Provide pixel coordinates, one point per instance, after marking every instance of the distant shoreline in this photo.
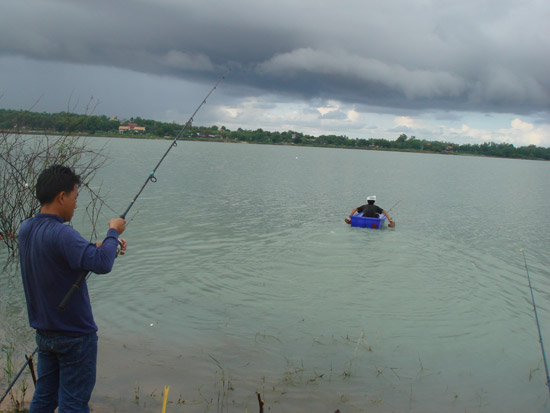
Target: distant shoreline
(229, 140)
(73, 124)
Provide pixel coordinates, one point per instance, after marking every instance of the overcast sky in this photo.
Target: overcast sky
(458, 71)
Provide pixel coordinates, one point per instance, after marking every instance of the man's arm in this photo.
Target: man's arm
(348, 220)
(102, 258)
(388, 216)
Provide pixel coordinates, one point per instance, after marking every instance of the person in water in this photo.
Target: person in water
(53, 256)
(371, 211)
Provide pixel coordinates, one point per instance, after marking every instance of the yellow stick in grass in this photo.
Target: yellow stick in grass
(166, 390)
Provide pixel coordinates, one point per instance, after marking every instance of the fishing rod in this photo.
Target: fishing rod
(150, 178)
(537, 320)
(29, 360)
(394, 205)
(392, 223)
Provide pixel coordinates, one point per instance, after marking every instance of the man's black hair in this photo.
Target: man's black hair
(53, 180)
(370, 201)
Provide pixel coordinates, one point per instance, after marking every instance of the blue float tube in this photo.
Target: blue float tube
(366, 222)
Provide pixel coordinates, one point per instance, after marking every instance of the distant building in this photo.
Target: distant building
(131, 127)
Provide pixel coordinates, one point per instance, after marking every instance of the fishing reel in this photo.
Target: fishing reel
(119, 247)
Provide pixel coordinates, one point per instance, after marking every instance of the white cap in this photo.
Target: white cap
(371, 198)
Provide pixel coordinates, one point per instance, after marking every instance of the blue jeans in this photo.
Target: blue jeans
(66, 373)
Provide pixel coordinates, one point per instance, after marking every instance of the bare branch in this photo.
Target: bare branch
(23, 157)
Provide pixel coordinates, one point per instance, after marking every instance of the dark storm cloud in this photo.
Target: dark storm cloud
(489, 56)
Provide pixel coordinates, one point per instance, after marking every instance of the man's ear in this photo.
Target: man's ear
(60, 197)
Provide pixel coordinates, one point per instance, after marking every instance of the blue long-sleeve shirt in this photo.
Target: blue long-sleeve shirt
(52, 257)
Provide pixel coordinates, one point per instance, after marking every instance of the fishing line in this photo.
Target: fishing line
(537, 320)
(150, 178)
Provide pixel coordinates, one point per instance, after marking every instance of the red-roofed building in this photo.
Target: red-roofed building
(131, 127)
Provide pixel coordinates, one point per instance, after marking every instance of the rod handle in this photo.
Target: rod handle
(72, 291)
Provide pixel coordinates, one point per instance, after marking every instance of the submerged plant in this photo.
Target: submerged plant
(136, 393)
(224, 386)
(347, 372)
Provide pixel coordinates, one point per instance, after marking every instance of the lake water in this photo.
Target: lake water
(242, 277)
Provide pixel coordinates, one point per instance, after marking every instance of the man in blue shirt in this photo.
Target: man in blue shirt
(53, 255)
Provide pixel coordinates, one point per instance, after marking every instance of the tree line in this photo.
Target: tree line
(65, 122)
